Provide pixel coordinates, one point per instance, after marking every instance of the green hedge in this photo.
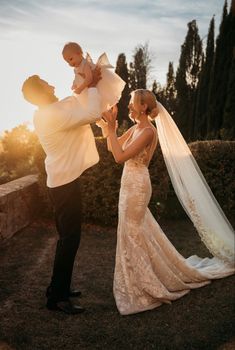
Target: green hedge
(100, 184)
(216, 160)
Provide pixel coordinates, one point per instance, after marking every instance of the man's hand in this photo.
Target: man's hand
(96, 76)
(78, 91)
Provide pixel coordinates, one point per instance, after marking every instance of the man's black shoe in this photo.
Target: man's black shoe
(72, 293)
(75, 293)
(64, 306)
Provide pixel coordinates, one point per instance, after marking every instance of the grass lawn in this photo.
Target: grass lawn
(203, 319)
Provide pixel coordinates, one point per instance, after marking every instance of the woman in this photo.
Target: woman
(149, 271)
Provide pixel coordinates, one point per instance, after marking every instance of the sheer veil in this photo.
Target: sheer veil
(193, 191)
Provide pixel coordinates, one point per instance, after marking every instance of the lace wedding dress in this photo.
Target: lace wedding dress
(149, 270)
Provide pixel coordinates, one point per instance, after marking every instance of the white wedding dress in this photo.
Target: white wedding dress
(149, 270)
(110, 87)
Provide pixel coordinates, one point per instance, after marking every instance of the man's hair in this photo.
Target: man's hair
(75, 47)
(31, 88)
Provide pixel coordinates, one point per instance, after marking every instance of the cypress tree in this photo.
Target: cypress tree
(228, 127)
(132, 77)
(220, 76)
(170, 91)
(187, 79)
(200, 124)
(140, 67)
(159, 92)
(122, 71)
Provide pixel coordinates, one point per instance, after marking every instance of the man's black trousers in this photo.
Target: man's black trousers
(66, 200)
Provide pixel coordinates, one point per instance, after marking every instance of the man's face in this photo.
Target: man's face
(73, 58)
(48, 89)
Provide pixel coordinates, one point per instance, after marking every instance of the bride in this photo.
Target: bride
(149, 271)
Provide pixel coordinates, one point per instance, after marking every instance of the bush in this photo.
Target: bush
(100, 186)
(216, 160)
(101, 183)
(17, 153)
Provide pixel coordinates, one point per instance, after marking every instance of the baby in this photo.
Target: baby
(110, 86)
(73, 55)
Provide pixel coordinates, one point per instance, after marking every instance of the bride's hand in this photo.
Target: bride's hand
(110, 114)
(110, 117)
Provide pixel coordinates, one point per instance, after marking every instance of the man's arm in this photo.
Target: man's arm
(80, 115)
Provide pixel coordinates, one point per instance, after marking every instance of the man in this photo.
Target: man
(65, 134)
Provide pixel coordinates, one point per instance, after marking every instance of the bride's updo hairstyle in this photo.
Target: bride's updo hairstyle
(143, 96)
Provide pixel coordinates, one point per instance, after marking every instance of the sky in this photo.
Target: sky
(32, 35)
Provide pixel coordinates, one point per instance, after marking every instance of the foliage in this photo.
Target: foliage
(187, 77)
(17, 156)
(23, 155)
(220, 74)
(216, 160)
(140, 67)
(200, 117)
(101, 183)
(201, 97)
(228, 128)
(122, 71)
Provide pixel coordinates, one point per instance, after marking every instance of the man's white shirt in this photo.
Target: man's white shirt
(65, 134)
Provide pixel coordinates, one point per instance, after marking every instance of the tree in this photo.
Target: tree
(19, 146)
(187, 77)
(140, 67)
(200, 118)
(159, 92)
(228, 126)
(122, 71)
(220, 75)
(170, 90)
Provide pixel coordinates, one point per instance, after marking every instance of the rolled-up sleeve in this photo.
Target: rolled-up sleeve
(80, 115)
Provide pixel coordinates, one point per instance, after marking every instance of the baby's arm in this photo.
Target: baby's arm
(87, 79)
(74, 86)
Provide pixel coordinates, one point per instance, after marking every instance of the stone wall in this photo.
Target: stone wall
(18, 204)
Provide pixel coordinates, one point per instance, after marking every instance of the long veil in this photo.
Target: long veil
(193, 191)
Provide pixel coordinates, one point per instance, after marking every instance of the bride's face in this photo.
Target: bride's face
(134, 108)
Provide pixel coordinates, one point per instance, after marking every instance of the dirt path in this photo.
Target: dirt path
(204, 319)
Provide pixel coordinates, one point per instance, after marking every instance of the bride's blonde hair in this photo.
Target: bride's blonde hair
(147, 97)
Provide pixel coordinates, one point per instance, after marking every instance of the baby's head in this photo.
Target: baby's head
(72, 53)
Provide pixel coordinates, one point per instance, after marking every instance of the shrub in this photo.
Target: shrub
(100, 184)
(216, 160)
(17, 153)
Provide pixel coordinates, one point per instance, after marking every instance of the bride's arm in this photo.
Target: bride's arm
(120, 139)
(115, 144)
(120, 155)
(105, 132)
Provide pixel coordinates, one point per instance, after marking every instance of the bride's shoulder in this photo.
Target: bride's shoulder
(130, 130)
(148, 133)
(149, 130)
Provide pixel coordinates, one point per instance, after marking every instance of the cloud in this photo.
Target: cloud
(33, 34)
